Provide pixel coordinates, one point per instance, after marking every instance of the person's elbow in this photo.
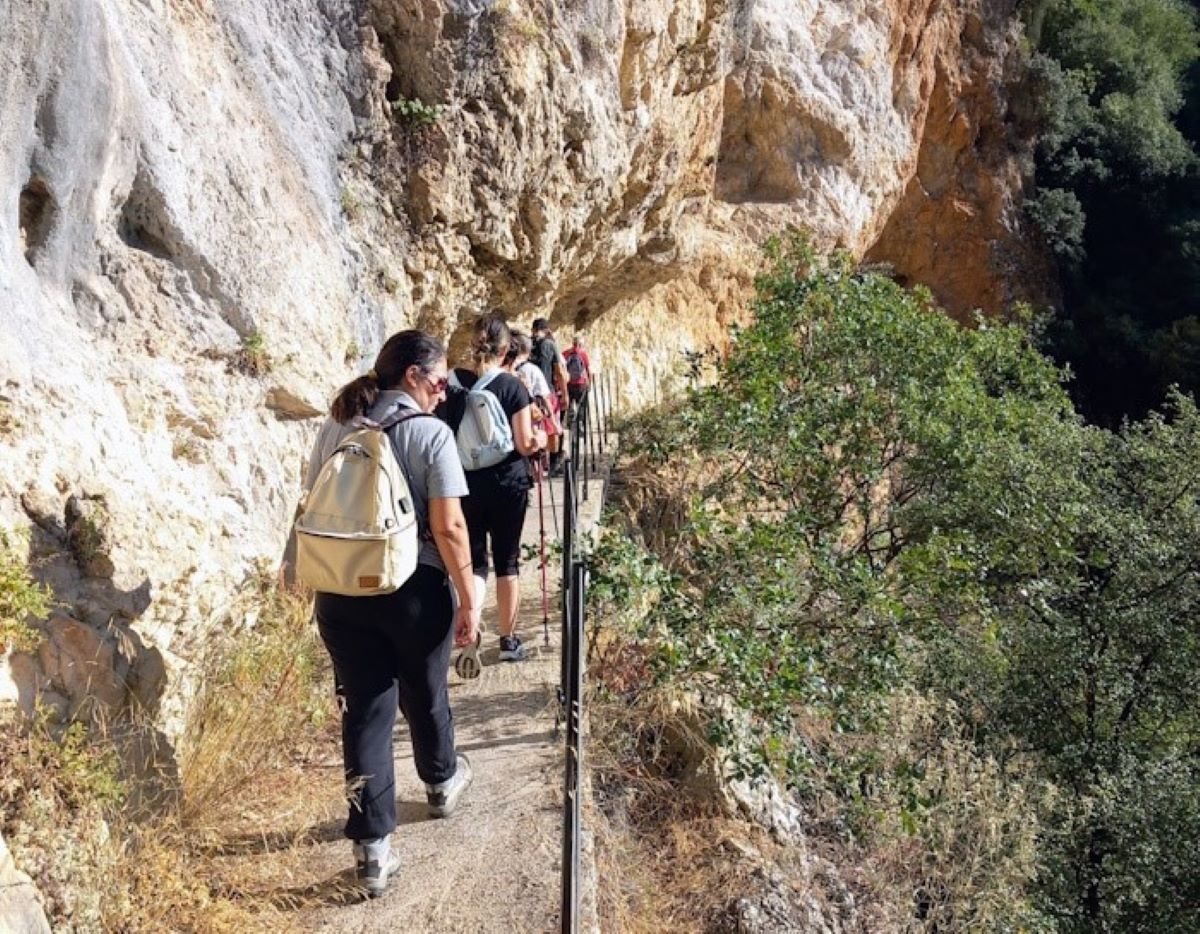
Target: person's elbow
(446, 520)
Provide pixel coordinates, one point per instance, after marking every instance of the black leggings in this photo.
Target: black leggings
(387, 649)
(498, 511)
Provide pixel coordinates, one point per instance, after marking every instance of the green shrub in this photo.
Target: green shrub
(21, 599)
(873, 502)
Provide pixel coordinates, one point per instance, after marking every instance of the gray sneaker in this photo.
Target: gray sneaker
(511, 649)
(443, 797)
(375, 862)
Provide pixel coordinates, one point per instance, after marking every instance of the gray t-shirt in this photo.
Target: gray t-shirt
(427, 453)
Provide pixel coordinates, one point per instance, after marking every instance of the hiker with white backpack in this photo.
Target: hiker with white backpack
(491, 414)
(380, 536)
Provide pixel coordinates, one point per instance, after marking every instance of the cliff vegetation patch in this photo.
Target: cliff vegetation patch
(118, 836)
(889, 566)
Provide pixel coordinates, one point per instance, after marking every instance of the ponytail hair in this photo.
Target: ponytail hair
(402, 350)
(520, 344)
(491, 341)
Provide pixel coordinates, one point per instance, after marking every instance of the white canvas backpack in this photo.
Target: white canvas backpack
(484, 436)
(357, 533)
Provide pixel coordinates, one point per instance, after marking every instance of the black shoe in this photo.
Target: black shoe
(511, 649)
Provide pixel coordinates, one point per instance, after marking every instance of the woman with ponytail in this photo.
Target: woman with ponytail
(393, 650)
(499, 494)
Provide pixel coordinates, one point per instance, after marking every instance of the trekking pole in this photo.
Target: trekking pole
(550, 487)
(542, 548)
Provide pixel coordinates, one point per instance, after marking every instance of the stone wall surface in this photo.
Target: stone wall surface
(20, 907)
(212, 212)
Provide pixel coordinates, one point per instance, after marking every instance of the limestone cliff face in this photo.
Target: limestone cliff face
(212, 212)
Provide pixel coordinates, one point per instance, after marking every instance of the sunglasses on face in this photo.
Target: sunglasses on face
(437, 385)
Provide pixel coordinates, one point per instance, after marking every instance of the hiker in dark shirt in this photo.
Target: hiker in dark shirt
(499, 495)
(546, 356)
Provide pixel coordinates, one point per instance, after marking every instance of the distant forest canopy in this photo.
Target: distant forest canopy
(1113, 93)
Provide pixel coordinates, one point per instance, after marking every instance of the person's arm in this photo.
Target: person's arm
(528, 438)
(561, 380)
(449, 529)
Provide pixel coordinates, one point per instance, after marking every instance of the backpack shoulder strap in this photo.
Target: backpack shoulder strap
(484, 381)
(402, 414)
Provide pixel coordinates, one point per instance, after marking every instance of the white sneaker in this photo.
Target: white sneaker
(375, 862)
(443, 797)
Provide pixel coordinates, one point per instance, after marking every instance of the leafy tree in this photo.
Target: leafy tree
(887, 502)
(1110, 95)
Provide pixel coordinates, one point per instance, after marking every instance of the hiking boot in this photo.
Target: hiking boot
(443, 797)
(511, 649)
(374, 864)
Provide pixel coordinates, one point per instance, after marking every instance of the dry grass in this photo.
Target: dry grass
(117, 839)
(667, 859)
(660, 867)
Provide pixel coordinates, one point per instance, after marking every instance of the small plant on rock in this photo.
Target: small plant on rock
(253, 358)
(416, 112)
(351, 204)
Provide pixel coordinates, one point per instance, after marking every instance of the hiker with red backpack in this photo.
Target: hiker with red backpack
(579, 374)
(390, 647)
(491, 413)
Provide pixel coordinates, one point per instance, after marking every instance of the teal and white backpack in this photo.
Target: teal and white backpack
(484, 435)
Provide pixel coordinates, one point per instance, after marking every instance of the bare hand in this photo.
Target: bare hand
(466, 626)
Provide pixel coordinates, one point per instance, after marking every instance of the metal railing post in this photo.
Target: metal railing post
(572, 803)
(601, 436)
(604, 406)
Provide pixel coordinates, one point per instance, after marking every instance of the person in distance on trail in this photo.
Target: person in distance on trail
(546, 357)
(499, 495)
(579, 375)
(394, 649)
(518, 363)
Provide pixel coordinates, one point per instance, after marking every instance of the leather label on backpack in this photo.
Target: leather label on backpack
(369, 583)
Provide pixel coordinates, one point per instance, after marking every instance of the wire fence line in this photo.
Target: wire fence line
(588, 421)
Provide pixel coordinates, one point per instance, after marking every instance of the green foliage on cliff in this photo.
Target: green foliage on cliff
(1111, 95)
(874, 503)
(21, 599)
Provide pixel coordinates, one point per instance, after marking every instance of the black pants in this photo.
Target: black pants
(577, 394)
(389, 649)
(497, 511)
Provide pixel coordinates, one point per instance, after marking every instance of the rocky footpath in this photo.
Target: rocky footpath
(215, 211)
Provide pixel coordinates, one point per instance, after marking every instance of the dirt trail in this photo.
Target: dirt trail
(495, 864)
